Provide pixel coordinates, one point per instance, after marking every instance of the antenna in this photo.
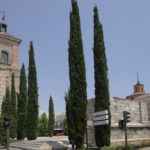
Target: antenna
(138, 80)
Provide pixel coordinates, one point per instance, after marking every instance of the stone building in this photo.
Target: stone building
(138, 104)
(9, 59)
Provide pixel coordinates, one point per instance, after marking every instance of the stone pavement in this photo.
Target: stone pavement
(145, 148)
(3, 148)
(58, 143)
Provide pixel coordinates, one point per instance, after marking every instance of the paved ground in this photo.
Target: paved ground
(58, 143)
(2, 148)
(146, 148)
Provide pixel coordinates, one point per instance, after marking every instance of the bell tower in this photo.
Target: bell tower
(138, 90)
(9, 59)
(138, 87)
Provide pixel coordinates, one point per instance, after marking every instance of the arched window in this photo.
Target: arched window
(4, 57)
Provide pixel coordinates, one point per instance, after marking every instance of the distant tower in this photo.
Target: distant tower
(138, 90)
(9, 59)
(138, 87)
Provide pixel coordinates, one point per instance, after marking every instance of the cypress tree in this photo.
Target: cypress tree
(2, 131)
(43, 123)
(5, 113)
(102, 133)
(22, 105)
(6, 104)
(77, 94)
(51, 120)
(13, 129)
(65, 127)
(32, 107)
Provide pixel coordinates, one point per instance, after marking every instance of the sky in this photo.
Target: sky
(126, 27)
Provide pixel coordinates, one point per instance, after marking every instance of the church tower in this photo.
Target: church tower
(9, 59)
(138, 90)
(138, 87)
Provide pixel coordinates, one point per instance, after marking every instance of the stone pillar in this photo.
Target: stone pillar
(15, 57)
(140, 112)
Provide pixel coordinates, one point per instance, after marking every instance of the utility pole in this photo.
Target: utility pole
(7, 138)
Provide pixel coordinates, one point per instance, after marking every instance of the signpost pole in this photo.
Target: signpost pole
(87, 146)
(7, 138)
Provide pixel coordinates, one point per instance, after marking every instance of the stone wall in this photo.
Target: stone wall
(134, 132)
(118, 106)
(117, 134)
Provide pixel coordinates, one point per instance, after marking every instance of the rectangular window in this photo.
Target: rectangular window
(4, 57)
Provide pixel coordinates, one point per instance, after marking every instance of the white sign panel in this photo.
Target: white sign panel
(100, 113)
(101, 118)
(104, 122)
(90, 123)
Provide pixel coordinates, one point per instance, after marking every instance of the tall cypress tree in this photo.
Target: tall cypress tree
(51, 120)
(32, 107)
(77, 94)
(22, 105)
(13, 129)
(5, 113)
(102, 133)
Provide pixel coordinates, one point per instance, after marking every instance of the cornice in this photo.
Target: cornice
(9, 38)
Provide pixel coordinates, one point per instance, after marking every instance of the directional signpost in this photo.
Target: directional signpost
(101, 118)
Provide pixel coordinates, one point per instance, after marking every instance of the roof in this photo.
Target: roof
(143, 97)
(119, 98)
